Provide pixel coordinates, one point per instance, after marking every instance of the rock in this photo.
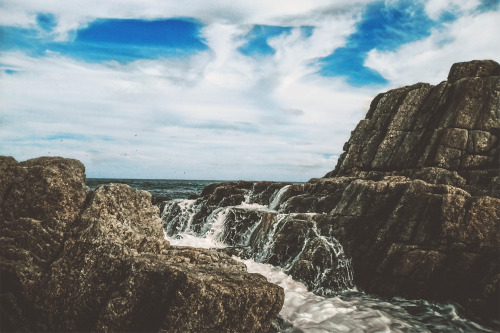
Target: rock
(99, 262)
(414, 199)
(41, 199)
(421, 236)
(450, 126)
(427, 227)
(475, 68)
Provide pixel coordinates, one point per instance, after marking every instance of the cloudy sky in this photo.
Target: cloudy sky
(247, 89)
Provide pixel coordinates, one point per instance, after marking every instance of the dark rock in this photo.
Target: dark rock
(451, 126)
(475, 68)
(414, 198)
(72, 263)
(428, 225)
(41, 199)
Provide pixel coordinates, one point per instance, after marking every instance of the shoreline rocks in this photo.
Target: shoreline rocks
(414, 199)
(413, 203)
(77, 261)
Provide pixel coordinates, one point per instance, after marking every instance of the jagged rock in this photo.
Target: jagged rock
(72, 263)
(41, 198)
(302, 244)
(414, 198)
(428, 225)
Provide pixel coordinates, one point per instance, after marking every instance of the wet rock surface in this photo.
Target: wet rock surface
(414, 199)
(78, 261)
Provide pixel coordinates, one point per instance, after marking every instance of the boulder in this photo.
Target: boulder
(474, 68)
(78, 261)
(41, 199)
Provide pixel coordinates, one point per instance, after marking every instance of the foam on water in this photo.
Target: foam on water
(354, 311)
(276, 200)
(188, 239)
(350, 311)
(313, 313)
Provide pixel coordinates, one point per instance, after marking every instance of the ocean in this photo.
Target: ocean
(349, 311)
(161, 189)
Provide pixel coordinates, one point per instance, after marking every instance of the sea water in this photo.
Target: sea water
(303, 311)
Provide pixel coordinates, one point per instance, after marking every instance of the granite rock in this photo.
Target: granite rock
(78, 261)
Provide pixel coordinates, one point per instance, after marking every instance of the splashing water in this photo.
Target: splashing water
(276, 200)
(304, 311)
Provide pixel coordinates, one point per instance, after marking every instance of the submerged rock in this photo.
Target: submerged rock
(414, 200)
(72, 261)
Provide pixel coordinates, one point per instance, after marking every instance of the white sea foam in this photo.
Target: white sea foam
(188, 239)
(276, 200)
(352, 311)
(254, 206)
(312, 313)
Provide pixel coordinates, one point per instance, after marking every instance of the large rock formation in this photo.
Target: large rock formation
(422, 217)
(77, 261)
(414, 200)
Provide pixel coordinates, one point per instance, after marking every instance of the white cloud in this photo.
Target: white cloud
(78, 13)
(429, 60)
(218, 113)
(435, 8)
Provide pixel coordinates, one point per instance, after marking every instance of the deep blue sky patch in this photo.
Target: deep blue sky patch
(110, 39)
(489, 5)
(382, 27)
(172, 32)
(127, 40)
(46, 22)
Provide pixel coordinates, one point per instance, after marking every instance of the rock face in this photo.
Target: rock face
(414, 200)
(425, 191)
(77, 261)
(447, 134)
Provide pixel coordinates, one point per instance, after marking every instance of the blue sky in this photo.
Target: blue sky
(217, 89)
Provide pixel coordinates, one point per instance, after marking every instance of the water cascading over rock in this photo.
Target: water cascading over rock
(299, 243)
(414, 199)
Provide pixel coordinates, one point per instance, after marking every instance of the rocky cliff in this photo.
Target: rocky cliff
(412, 208)
(72, 260)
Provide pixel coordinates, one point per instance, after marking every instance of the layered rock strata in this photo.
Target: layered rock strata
(414, 199)
(77, 261)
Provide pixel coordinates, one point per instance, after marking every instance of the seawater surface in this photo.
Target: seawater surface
(303, 311)
(161, 189)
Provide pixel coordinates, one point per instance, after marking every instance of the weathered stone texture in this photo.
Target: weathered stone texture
(414, 198)
(452, 126)
(475, 68)
(76, 262)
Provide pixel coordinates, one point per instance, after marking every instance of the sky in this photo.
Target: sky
(247, 89)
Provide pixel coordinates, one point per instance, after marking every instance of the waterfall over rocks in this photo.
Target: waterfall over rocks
(255, 229)
(413, 204)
